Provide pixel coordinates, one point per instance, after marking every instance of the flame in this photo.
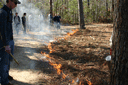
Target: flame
(57, 66)
(50, 48)
(64, 76)
(73, 81)
(74, 31)
(88, 82)
(80, 83)
(68, 34)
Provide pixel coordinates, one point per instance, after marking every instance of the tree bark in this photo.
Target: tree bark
(119, 71)
(106, 9)
(112, 5)
(51, 7)
(88, 3)
(81, 14)
(88, 7)
(96, 11)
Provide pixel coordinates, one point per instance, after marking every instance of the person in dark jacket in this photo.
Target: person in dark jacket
(24, 22)
(6, 36)
(56, 20)
(17, 22)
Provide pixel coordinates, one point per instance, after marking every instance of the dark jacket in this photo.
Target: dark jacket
(57, 18)
(6, 33)
(23, 20)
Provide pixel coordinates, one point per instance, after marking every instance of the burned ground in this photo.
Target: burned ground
(75, 59)
(82, 56)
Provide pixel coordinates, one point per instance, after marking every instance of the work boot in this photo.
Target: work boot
(10, 77)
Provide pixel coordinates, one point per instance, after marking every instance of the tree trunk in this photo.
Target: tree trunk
(112, 5)
(88, 3)
(51, 7)
(81, 14)
(106, 9)
(112, 9)
(62, 9)
(67, 4)
(88, 7)
(96, 11)
(119, 73)
(57, 7)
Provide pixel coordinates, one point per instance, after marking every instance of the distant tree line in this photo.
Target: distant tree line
(94, 10)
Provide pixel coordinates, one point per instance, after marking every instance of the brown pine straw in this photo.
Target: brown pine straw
(58, 66)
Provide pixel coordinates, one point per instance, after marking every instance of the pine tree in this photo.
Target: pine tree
(119, 73)
(81, 14)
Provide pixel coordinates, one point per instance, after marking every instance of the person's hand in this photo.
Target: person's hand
(8, 49)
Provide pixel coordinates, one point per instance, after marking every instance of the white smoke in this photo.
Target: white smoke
(37, 22)
(35, 18)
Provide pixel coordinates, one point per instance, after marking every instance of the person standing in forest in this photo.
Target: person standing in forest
(17, 22)
(57, 19)
(24, 22)
(6, 40)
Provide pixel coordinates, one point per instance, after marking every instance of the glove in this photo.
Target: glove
(8, 49)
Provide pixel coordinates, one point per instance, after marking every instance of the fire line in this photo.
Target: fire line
(58, 66)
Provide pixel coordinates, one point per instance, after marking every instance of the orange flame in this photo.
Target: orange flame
(74, 31)
(80, 83)
(88, 82)
(64, 76)
(73, 81)
(57, 66)
(50, 48)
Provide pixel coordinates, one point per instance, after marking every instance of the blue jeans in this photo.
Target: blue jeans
(4, 64)
(57, 25)
(17, 28)
(24, 25)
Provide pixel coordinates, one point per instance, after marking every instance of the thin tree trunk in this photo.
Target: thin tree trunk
(67, 4)
(88, 3)
(75, 17)
(112, 5)
(81, 14)
(119, 73)
(96, 16)
(77, 14)
(106, 9)
(51, 7)
(88, 7)
(62, 8)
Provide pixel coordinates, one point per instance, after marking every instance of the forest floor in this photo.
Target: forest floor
(75, 59)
